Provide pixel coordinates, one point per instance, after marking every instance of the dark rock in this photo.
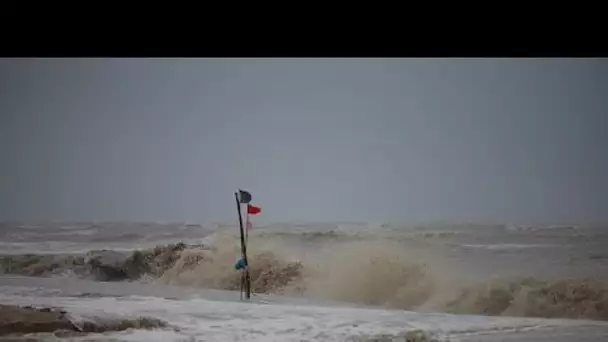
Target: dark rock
(14, 319)
(18, 320)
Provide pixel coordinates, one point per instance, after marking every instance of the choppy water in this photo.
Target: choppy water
(462, 282)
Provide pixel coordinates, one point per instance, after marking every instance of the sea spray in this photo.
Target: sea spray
(383, 273)
(374, 271)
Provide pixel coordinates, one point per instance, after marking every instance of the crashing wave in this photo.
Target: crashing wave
(102, 265)
(377, 272)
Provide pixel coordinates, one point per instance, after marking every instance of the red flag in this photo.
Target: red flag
(253, 210)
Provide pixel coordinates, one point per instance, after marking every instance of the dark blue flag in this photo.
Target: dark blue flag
(244, 196)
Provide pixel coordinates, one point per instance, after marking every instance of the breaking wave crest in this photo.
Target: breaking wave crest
(571, 298)
(379, 272)
(213, 268)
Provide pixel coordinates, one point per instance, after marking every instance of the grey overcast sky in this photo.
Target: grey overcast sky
(406, 140)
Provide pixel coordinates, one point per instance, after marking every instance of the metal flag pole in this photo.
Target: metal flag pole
(243, 249)
(242, 283)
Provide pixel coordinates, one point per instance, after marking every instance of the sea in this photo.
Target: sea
(316, 281)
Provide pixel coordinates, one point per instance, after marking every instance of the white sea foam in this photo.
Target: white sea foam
(201, 319)
(507, 246)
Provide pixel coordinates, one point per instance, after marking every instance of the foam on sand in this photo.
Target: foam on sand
(202, 319)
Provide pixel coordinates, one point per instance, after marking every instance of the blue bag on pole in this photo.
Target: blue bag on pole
(239, 264)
